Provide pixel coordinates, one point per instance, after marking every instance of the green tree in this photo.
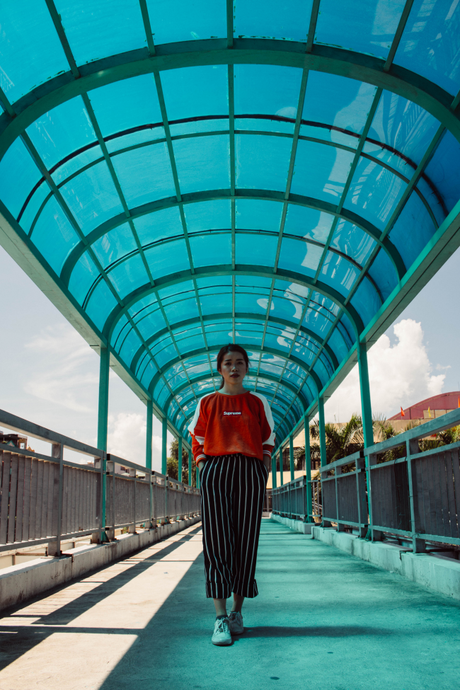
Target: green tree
(172, 463)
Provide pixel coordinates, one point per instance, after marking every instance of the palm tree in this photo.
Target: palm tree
(341, 441)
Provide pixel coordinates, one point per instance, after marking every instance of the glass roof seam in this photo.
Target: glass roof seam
(427, 94)
(321, 350)
(312, 27)
(200, 314)
(145, 144)
(295, 141)
(267, 314)
(7, 107)
(62, 38)
(54, 189)
(171, 334)
(152, 357)
(172, 160)
(413, 182)
(351, 172)
(288, 276)
(147, 26)
(320, 343)
(116, 182)
(398, 35)
(163, 204)
(265, 376)
(304, 311)
(229, 20)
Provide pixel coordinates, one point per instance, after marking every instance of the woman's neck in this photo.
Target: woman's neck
(226, 390)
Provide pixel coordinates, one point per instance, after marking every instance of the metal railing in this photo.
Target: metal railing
(45, 499)
(390, 488)
(290, 500)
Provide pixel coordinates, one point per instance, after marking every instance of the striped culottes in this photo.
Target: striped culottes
(232, 496)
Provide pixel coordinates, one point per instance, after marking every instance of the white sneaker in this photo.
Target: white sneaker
(235, 622)
(221, 635)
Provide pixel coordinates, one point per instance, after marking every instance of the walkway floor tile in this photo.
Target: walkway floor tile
(323, 621)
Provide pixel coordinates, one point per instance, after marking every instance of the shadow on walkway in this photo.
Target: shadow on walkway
(323, 620)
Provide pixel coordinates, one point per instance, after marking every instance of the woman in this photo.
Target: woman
(232, 438)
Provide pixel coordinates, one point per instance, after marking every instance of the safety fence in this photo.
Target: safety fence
(45, 499)
(391, 489)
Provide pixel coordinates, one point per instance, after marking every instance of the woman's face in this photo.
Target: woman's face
(233, 369)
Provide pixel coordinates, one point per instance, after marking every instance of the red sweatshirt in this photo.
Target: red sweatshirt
(230, 424)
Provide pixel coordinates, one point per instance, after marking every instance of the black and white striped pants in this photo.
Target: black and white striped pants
(232, 496)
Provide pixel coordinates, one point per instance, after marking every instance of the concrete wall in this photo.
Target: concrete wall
(20, 583)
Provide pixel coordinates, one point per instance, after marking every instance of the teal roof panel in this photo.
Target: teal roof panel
(97, 30)
(430, 43)
(196, 173)
(371, 28)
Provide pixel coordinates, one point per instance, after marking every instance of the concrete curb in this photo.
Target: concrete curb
(295, 525)
(22, 582)
(437, 574)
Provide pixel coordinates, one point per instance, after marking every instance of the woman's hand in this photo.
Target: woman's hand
(200, 465)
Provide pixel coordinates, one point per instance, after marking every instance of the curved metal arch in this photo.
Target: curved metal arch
(288, 276)
(257, 317)
(248, 346)
(219, 194)
(264, 376)
(219, 132)
(371, 70)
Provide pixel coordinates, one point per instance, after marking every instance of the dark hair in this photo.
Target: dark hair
(231, 347)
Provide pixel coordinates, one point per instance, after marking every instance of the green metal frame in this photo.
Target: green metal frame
(230, 51)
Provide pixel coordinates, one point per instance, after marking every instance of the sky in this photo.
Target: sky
(49, 375)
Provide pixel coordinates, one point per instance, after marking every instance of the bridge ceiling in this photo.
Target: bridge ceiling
(193, 173)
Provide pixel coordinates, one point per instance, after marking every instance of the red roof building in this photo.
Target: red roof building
(430, 408)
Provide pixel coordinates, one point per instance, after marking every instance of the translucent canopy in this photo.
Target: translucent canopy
(182, 175)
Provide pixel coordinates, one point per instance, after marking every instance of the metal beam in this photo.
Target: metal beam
(371, 70)
(248, 346)
(255, 194)
(250, 270)
(321, 344)
(264, 376)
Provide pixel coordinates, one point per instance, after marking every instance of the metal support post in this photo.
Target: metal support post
(291, 457)
(418, 545)
(274, 471)
(54, 548)
(190, 467)
(281, 466)
(102, 431)
(148, 458)
(366, 412)
(366, 407)
(179, 458)
(164, 446)
(308, 489)
(322, 432)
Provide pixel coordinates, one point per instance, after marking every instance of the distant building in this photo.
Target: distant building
(423, 411)
(14, 440)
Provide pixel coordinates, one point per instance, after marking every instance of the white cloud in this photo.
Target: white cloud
(62, 373)
(400, 376)
(127, 438)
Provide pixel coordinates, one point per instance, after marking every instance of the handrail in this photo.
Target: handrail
(414, 497)
(46, 498)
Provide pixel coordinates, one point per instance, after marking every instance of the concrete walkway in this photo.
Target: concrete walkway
(324, 620)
